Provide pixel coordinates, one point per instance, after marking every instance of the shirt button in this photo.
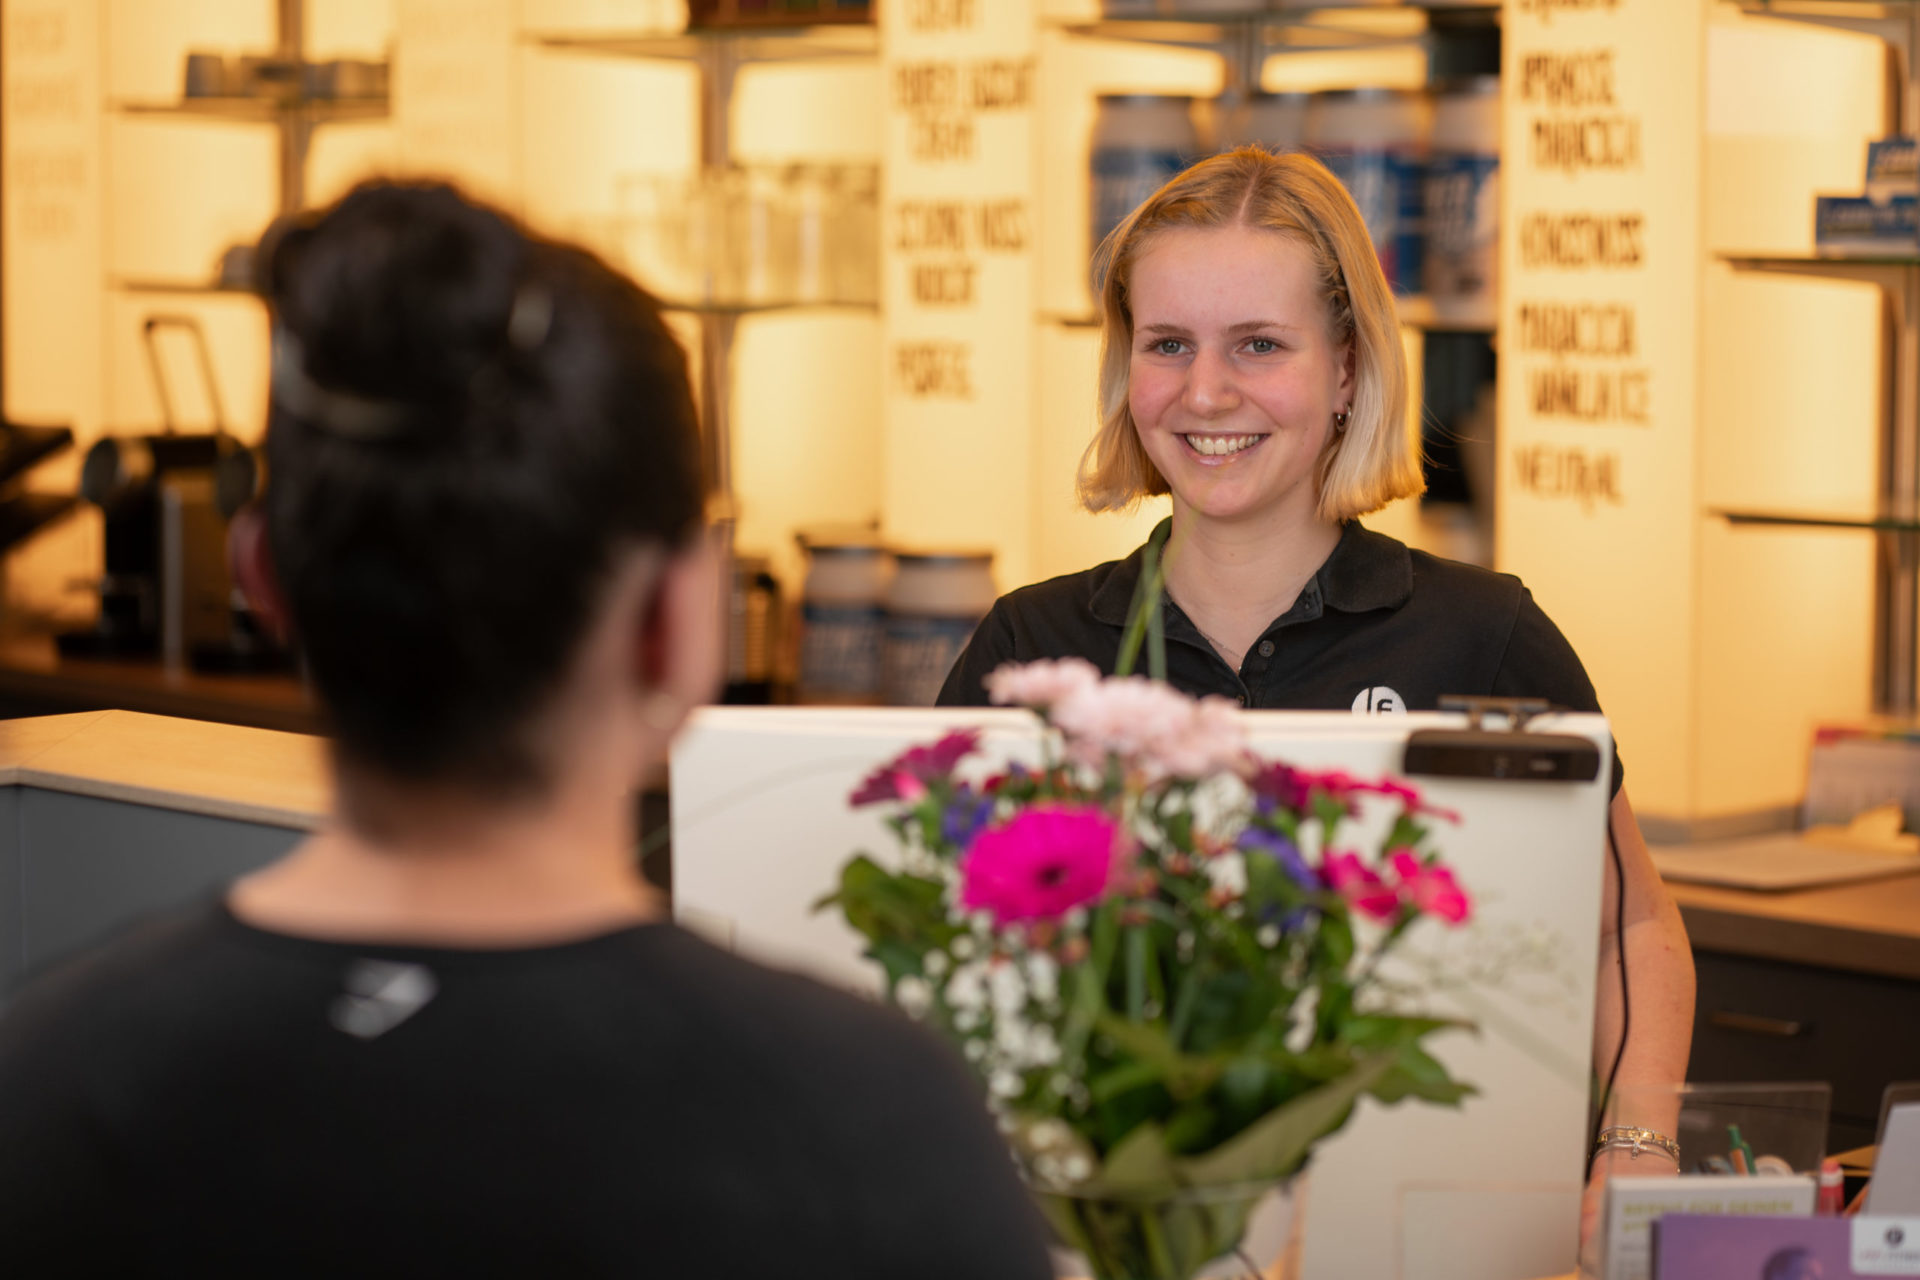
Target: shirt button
(1266, 648)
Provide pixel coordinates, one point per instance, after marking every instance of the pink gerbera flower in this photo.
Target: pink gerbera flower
(1048, 860)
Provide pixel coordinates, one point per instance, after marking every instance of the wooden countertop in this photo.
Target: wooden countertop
(262, 775)
(1869, 927)
(32, 669)
(222, 770)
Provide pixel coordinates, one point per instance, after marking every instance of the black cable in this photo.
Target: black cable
(1626, 1006)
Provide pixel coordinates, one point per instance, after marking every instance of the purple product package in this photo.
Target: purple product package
(1709, 1247)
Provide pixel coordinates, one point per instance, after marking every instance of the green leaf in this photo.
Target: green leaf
(1418, 1074)
(883, 906)
(1190, 1125)
(1278, 1143)
(1183, 1074)
(1387, 1031)
(1140, 1165)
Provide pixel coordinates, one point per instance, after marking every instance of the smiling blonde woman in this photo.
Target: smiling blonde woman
(1251, 370)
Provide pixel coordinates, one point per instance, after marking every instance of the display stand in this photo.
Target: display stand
(720, 55)
(293, 115)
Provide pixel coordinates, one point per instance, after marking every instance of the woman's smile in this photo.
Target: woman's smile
(1222, 448)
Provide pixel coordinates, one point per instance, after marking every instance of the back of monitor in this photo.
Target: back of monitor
(761, 827)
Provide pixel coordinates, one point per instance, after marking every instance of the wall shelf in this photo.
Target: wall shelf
(1808, 520)
(763, 44)
(262, 110)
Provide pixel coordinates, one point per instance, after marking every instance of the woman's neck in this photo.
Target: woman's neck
(460, 872)
(1233, 579)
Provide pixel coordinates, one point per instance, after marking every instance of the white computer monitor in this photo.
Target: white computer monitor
(1489, 1191)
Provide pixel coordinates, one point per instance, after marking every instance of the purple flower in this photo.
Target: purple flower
(965, 815)
(1283, 851)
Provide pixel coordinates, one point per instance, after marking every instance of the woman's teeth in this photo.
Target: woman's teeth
(1218, 446)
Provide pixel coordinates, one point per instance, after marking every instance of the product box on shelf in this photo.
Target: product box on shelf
(1893, 168)
(1857, 227)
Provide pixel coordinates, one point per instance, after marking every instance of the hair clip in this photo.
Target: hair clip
(530, 317)
(340, 413)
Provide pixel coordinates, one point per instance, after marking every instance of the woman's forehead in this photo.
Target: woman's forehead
(1198, 273)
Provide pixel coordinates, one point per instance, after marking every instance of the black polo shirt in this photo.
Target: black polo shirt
(1380, 628)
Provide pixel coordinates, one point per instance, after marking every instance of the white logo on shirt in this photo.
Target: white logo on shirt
(381, 995)
(1379, 701)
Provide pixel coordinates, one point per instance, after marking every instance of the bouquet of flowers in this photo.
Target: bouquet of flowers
(1159, 953)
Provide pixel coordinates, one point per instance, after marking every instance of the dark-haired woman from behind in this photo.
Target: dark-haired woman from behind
(451, 1034)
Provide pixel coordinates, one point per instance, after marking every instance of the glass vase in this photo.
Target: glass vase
(1244, 1232)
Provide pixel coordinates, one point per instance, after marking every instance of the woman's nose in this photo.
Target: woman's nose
(1211, 389)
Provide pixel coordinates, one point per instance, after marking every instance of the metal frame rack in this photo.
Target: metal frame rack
(1896, 523)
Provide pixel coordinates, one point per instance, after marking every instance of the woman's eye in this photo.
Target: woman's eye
(1167, 347)
(1262, 346)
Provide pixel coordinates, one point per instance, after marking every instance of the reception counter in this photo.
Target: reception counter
(105, 815)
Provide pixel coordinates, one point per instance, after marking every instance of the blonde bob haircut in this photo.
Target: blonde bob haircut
(1377, 458)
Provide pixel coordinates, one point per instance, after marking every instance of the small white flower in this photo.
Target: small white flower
(962, 947)
(1076, 1167)
(966, 1020)
(1227, 872)
(1009, 990)
(1043, 1049)
(1043, 977)
(1004, 1084)
(967, 988)
(913, 995)
(1267, 935)
(1047, 1133)
(975, 1050)
(935, 964)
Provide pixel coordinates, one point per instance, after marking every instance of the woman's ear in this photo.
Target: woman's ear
(250, 565)
(682, 639)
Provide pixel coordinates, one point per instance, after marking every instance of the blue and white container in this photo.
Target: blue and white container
(842, 619)
(1139, 141)
(1376, 142)
(936, 600)
(1463, 201)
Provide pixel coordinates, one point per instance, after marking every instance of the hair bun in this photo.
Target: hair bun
(400, 294)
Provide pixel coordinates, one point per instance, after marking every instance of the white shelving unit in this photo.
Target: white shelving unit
(1896, 524)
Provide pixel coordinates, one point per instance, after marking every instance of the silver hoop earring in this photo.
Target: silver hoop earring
(1340, 420)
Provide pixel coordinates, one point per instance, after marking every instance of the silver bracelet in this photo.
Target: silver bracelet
(1627, 1138)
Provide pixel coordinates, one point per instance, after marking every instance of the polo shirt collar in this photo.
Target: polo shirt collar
(1366, 570)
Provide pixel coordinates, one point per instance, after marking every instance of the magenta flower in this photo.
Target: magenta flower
(906, 776)
(1048, 860)
(1360, 885)
(1431, 889)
